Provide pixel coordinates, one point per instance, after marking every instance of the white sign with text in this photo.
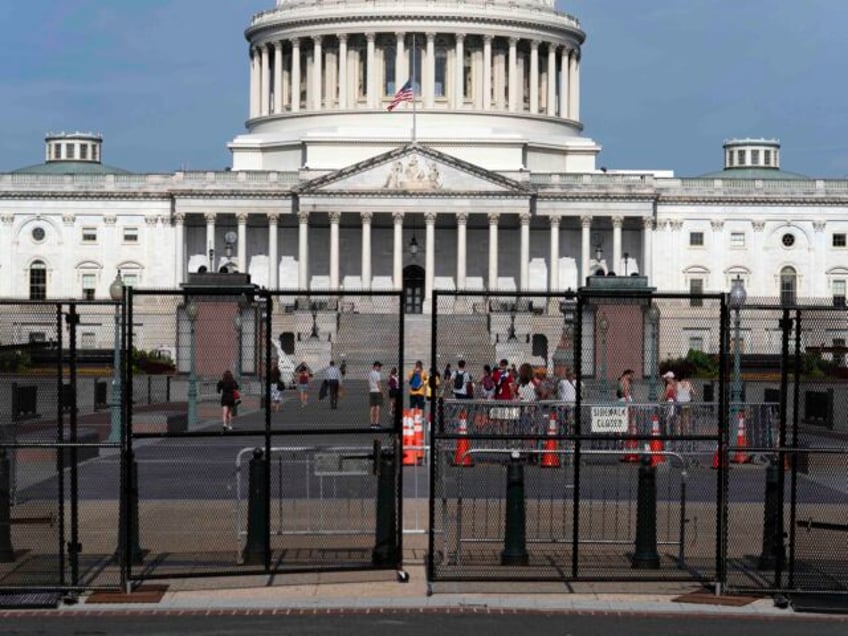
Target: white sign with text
(609, 419)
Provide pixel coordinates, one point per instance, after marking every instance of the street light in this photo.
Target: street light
(116, 293)
(603, 327)
(191, 311)
(653, 323)
(738, 295)
(238, 321)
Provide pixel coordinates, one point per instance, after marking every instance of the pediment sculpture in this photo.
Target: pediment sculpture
(410, 174)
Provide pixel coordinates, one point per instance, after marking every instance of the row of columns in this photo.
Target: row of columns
(276, 79)
(429, 248)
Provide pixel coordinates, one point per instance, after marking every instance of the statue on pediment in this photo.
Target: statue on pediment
(412, 175)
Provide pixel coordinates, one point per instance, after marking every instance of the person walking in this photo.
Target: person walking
(333, 377)
(394, 391)
(276, 386)
(417, 382)
(303, 376)
(624, 389)
(487, 383)
(228, 388)
(375, 394)
(461, 383)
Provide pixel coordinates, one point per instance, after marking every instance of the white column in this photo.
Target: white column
(575, 86)
(499, 81)
(303, 250)
(254, 83)
(617, 222)
(551, 106)
(342, 71)
(572, 86)
(459, 72)
(366, 249)
(461, 249)
(487, 72)
(400, 75)
(278, 77)
(179, 244)
(317, 73)
(430, 68)
(585, 248)
(266, 84)
(512, 87)
(335, 217)
(371, 70)
(430, 254)
(397, 251)
(493, 251)
(295, 76)
(241, 245)
(524, 271)
(647, 248)
(273, 257)
(210, 237)
(565, 66)
(554, 264)
(534, 77)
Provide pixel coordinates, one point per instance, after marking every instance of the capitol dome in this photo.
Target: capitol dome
(495, 82)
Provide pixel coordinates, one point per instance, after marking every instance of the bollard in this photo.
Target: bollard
(772, 541)
(646, 556)
(131, 500)
(386, 552)
(257, 519)
(515, 532)
(7, 553)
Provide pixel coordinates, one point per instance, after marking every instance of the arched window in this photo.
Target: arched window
(38, 281)
(788, 285)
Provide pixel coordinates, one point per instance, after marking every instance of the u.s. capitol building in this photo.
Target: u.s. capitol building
(488, 171)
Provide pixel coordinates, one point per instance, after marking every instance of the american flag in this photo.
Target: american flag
(405, 94)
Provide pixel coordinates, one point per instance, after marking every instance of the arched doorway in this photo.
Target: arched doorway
(413, 287)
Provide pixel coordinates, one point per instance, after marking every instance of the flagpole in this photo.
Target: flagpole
(414, 96)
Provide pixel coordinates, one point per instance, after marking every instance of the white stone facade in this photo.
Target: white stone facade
(498, 187)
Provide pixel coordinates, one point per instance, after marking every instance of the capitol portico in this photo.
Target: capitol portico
(486, 182)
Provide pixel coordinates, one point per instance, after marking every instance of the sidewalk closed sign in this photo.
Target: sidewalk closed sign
(609, 419)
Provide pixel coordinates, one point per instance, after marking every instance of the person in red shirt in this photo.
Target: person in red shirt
(504, 382)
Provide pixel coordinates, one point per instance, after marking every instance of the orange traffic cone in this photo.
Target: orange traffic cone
(461, 456)
(631, 444)
(550, 458)
(418, 432)
(656, 443)
(718, 461)
(740, 456)
(408, 439)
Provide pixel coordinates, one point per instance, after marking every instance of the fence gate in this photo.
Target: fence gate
(301, 481)
(586, 476)
(58, 468)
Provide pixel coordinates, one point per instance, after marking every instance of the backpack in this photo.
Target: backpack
(459, 382)
(488, 383)
(415, 381)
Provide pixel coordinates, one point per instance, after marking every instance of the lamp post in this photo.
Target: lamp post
(603, 327)
(653, 323)
(738, 295)
(116, 293)
(237, 323)
(191, 311)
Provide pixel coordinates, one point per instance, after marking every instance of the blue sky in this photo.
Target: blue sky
(664, 82)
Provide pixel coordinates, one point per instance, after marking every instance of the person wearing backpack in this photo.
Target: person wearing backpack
(417, 380)
(487, 383)
(463, 388)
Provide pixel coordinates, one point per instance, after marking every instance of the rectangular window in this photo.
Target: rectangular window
(696, 287)
(730, 159)
(130, 280)
(89, 283)
(737, 239)
(441, 73)
(57, 151)
(755, 157)
(89, 235)
(740, 157)
(130, 235)
(696, 343)
(37, 336)
(838, 240)
(839, 353)
(88, 340)
(94, 152)
(696, 239)
(766, 157)
(69, 151)
(83, 151)
(839, 293)
(38, 283)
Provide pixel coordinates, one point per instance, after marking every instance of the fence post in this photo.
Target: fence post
(128, 514)
(385, 541)
(772, 541)
(515, 531)
(646, 556)
(257, 518)
(7, 553)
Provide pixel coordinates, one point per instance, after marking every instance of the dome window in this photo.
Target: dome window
(38, 234)
(788, 240)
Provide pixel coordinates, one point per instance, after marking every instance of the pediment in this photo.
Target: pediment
(413, 169)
